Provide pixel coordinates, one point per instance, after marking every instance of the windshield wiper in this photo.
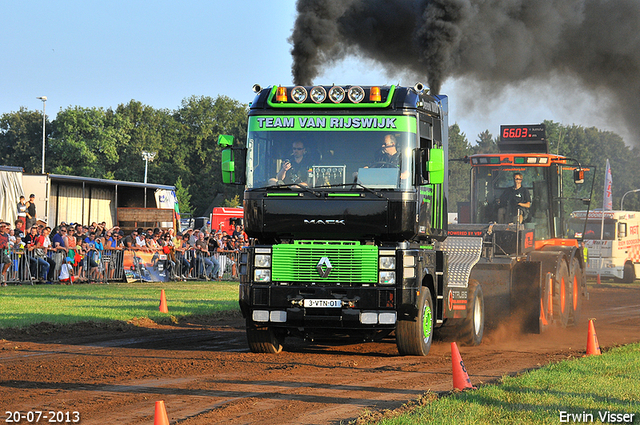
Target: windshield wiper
(379, 195)
(295, 185)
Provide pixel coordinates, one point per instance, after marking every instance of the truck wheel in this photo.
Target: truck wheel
(576, 277)
(629, 274)
(562, 290)
(472, 327)
(413, 337)
(263, 339)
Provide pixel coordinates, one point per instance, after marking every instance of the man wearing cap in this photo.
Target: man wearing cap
(31, 211)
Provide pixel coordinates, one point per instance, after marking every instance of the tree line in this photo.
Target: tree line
(107, 143)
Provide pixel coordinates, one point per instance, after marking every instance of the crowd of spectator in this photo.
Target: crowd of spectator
(87, 251)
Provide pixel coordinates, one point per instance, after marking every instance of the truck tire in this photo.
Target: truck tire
(472, 327)
(629, 274)
(263, 339)
(576, 277)
(562, 289)
(414, 337)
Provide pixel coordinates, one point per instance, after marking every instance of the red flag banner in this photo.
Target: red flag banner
(607, 200)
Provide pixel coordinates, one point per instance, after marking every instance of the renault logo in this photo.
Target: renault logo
(324, 272)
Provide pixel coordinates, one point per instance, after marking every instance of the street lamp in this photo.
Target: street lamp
(147, 156)
(44, 116)
(622, 200)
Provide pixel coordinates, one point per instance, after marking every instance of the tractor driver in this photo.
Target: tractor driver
(514, 202)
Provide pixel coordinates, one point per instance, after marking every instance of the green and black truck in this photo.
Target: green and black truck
(345, 203)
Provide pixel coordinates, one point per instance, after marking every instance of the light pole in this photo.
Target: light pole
(44, 117)
(147, 156)
(622, 200)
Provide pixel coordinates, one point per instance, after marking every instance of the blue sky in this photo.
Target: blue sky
(102, 54)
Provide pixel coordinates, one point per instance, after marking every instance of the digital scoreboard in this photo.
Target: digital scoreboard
(511, 133)
(523, 138)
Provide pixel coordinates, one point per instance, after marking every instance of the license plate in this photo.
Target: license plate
(323, 303)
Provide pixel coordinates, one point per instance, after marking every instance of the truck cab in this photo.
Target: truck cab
(345, 199)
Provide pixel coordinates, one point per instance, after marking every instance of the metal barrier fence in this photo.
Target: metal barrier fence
(108, 265)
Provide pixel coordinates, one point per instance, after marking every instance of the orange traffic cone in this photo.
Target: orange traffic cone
(593, 347)
(163, 303)
(160, 417)
(598, 279)
(461, 379)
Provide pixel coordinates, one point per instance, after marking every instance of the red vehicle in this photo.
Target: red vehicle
(226, 218)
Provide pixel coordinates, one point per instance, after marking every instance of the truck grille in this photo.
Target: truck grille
(350, 262)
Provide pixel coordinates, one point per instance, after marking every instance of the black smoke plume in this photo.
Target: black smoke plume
(497, 43)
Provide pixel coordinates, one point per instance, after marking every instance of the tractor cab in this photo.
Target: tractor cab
(524, 187)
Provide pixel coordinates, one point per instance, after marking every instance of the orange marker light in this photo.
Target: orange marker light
(281, 94)
(374, 95)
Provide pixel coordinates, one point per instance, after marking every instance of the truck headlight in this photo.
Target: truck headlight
(262, 260)
(262, 275)
(387, 263)
(387, 278)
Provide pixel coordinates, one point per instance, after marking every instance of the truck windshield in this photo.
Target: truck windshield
(594, 229)
(311, 151)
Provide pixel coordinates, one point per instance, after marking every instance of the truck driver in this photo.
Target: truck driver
(295, 169)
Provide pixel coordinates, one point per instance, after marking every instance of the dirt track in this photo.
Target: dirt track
(205, 374)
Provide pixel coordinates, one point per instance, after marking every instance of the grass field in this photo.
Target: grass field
(594, 387)
(22, 306)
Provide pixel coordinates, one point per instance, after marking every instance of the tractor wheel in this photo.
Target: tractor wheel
(263, 339)
(562, 290)
(472, 327)
(576, 277)
(413, 337)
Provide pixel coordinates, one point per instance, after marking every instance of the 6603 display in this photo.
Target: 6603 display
(522, 132)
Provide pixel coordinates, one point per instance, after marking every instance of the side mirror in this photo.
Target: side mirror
(435, 166)
(225, 140)
(622, 230)
(578, 176)
(232, 172)
(228, 166)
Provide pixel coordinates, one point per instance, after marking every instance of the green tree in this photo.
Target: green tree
(202, 119)
(146, 129)
(485, 143)
(184, 197)
(592, 147)
(85, 142)
(232, 203)
(459, 171)
(21, 140)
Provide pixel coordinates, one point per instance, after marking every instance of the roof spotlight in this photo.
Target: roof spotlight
(299, 94)
(356, 94)
(336, 94)
(318, 94)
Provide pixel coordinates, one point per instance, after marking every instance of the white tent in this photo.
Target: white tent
(10, 192)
